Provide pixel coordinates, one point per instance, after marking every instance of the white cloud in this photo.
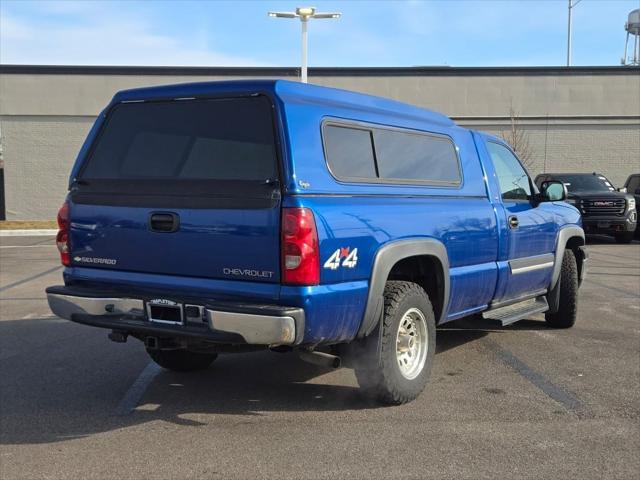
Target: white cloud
(99, 36)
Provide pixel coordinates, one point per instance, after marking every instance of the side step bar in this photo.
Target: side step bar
(518, 311)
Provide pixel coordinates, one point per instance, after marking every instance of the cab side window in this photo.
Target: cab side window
(512, 177)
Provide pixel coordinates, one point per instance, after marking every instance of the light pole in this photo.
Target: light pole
(572, 3)
(304, 14)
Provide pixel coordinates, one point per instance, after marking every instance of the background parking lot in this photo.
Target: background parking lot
(520, 401)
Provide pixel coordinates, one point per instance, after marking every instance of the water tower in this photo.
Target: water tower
(633, 28)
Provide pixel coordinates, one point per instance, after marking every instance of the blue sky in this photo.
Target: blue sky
(370, 33)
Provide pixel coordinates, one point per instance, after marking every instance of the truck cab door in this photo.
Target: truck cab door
(527, 229)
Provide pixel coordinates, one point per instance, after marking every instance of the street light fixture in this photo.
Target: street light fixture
(304, 14)
(572, 3)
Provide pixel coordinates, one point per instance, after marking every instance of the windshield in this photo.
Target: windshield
(228, 139)
(585, 183)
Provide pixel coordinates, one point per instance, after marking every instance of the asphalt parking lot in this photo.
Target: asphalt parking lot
(514, 402)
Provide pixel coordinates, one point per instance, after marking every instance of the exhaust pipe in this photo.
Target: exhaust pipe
(320, 358)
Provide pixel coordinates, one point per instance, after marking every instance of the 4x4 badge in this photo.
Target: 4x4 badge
(336, 259)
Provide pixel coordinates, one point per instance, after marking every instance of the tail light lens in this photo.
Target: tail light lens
(300, 251)
(62, 238)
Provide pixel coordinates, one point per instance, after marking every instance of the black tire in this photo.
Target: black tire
(377, 366)
(626, 237)
(182, 360)
(567, 312)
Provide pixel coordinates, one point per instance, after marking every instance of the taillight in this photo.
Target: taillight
(300, 251)
(62, 238)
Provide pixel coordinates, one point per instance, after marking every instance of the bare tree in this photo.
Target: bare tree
(518, 138)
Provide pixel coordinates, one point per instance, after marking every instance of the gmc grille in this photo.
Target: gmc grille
(604, 206)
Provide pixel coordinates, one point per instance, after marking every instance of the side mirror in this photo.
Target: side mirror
(553, 191)
(637, 192)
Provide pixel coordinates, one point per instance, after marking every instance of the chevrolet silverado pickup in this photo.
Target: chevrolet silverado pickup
(211, 218)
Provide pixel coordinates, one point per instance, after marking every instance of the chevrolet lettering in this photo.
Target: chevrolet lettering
(245, 272)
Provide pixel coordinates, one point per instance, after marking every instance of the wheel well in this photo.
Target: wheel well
(427, 272)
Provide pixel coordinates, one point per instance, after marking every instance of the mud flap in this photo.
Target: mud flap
(553, 298)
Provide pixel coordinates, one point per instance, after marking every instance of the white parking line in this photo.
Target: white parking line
(131, 399)
(46, 316)
(27, 246)
(28, 233)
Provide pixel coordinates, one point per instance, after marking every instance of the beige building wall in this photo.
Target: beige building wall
(578, 119)
(38, 154)
(609, 148)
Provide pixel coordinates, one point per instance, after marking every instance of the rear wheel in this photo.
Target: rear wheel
(182, 360)
(626, 237)
(565, 317)
(396, 369)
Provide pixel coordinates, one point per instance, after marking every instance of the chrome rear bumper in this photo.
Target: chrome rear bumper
(257, 325)
(64, 306)
(255, 329)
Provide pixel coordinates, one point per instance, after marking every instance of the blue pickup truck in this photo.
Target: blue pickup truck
(233, 216)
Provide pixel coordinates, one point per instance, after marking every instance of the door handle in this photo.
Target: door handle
(513, 221)
(164, 222)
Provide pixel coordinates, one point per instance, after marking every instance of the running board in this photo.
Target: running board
(517, 311)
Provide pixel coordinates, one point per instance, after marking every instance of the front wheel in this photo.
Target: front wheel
(626, 237)
(395, 370)
(567, 312)
(182, 360)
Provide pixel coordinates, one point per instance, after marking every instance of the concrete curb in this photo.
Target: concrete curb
(27, 233)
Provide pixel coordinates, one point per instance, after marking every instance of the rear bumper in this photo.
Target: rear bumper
(223, 322)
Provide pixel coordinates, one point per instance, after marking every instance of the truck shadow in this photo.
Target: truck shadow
(70, 382)
(60, 381)
(465, 330)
